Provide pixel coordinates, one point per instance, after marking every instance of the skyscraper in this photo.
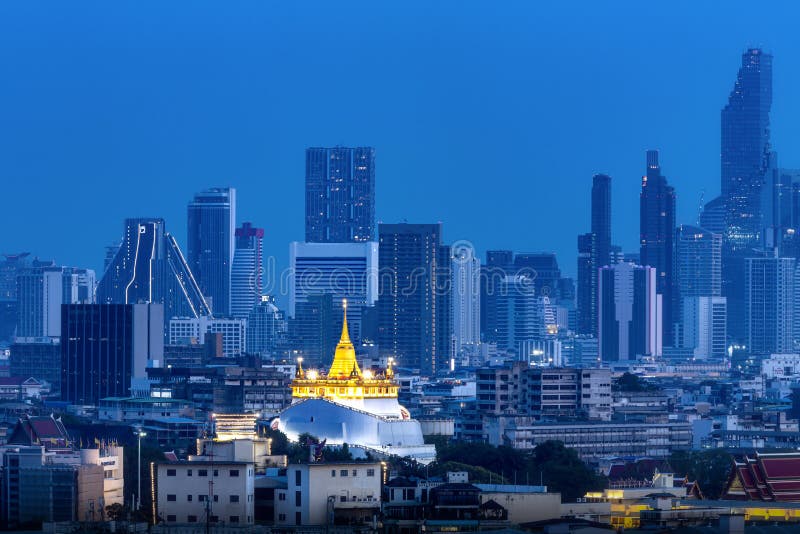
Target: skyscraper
(769, 298)
(745, 158)
(704, 326)
(342, 270)
(466, 296)
(414, 303)
(629, 312)
(587, 285)
(340, 194)
(542, 267)
(149, 267)
(657, 232)
(42, 289)
(105, 346)
(698, 261)
(10, 267)
(601, 219)
(499, 264)
(266, 327)
(746, 152)
(211, 234)
(247, 271)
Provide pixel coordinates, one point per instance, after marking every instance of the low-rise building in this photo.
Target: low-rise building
(329, 493)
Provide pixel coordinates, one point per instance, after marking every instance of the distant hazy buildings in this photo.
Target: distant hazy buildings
(587, 281)
(266, 327)
(704, 326)
(769, 299)
(657, 232)
(247, 271)
(105, 346)
(211, 226)
(340, 194)
(193, 330)
(150, 267)
(41, 290)
(594, 251)
(499, 264)
(630, 313)
(466, 296)
(698, 260)
(415, 319)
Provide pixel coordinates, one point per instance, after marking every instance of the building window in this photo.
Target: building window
(189, 497)
(171, 472)
(370, 472)
(234, 498)
(281, 517)
(355, 473)
(234, 518)
(172, 498)
(188, 472)
(216, 472)
(333, 473)
(202, 472)
(343, 472)
(216, 498)
(297, 477)
(202, 498)
(281, 496)
(298, 518)
(234, 472)
(298, 498)
(192, 519)
(171, 518)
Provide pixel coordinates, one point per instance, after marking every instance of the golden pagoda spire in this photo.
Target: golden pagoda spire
(344, 360)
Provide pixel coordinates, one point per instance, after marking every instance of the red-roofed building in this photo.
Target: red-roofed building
(766, 477)
(44, 430)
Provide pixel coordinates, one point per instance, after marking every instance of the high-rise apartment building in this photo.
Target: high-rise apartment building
(466, 296)
(499, 264)
(629, 313)
(769, 299)
(657, 233)
(266, 327)
(247, 271)
(340, 194)
(414, 304)
(211, 235)
(42, 289)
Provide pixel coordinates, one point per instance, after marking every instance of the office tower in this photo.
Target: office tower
(194, 330)
(466, 296)
(10, 267)
(413, 314)
(698, 262)
(41, 290)
(499, 264)
(150, 268)
(587, 284)
(247, 271)
(211, 224)
(769, 300)
(746, 152)
(657, 234)
(601, 219)
(629, 312)
(105, 346)
(523, 316)
(340, 194)
(704, 326)
(542, 268)
(39, 359)
(745, 159)
(266, 327)
(342, 270)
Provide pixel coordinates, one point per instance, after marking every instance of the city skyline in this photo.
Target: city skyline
(691, 79)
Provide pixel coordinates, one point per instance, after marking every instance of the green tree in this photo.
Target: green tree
(562, 470)
(709, 468)
(633, 383)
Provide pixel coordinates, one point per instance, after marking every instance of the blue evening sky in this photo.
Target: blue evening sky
(490, 117)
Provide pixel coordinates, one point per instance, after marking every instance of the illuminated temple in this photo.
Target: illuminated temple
(348, 405)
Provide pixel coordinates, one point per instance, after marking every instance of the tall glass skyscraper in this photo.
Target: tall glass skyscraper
(150, 267)
(247, 272)
(211, 228)
(601, 219)
(745, 149)
(415, 301)
(657, 232)
(745, 158)
(340, 194)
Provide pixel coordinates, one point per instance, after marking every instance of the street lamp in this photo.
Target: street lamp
(139, 435)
